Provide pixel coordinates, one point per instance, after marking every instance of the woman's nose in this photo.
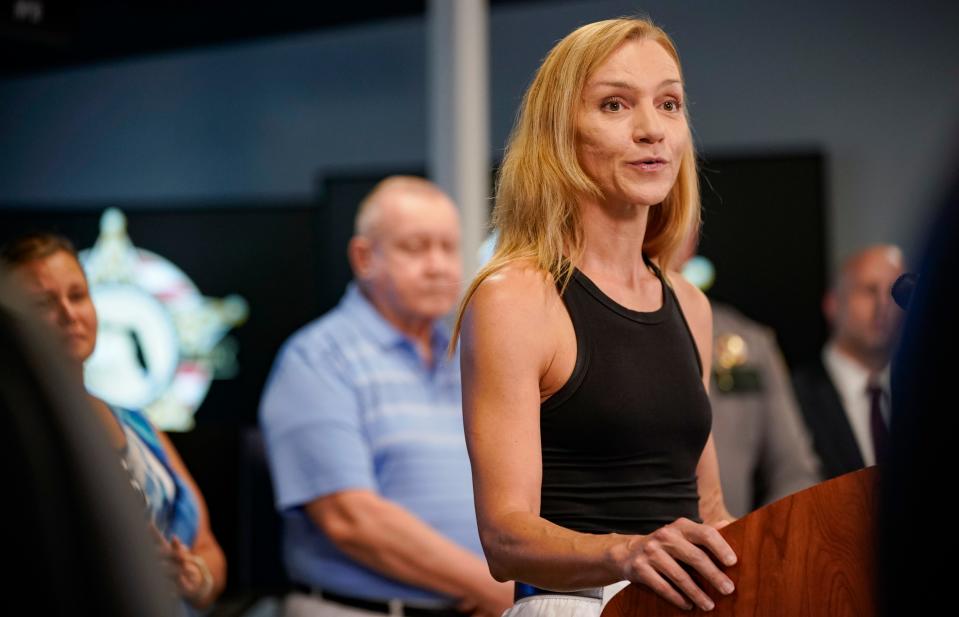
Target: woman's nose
(66, 311)
(647, 127)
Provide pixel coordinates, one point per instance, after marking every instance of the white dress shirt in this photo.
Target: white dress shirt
(852, 380)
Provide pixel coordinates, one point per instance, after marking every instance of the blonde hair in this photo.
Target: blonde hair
(541, 180)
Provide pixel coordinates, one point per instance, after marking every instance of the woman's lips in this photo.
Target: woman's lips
(649, 165)
(76, 336)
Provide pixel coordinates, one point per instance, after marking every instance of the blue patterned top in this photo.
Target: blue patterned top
(169, 502)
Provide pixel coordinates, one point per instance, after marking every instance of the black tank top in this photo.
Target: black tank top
(622, 437)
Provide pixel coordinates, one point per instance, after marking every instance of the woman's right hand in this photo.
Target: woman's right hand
(654, 560)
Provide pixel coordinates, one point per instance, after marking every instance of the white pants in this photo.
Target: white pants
(299, 604)
(555, 606)
(550, 605)
(305, 605)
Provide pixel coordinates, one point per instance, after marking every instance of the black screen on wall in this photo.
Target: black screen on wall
(764, 230)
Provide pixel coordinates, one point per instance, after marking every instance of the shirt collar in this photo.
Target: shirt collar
(850, 375)
(382, 332)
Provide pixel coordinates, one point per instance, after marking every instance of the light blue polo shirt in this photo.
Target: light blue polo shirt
(351, 405)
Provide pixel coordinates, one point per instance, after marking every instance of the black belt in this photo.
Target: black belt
(379, 606)
(523, 590)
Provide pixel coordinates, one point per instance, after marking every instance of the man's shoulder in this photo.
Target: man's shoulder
(327, 334)
(312, 361)
(811, 372)
(760, 339)
(813, 386)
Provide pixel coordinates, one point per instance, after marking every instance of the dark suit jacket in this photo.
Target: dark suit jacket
(822, 409)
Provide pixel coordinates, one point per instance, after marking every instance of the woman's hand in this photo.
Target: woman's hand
(192, 576)
(187, 570)
(655, 560)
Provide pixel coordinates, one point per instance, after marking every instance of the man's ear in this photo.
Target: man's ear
(360, 253)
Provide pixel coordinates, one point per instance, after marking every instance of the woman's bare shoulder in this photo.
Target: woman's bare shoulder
(693, 301)
(518, 300)
(687, 290)
(517, 284)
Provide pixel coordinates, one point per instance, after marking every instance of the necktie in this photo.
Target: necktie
(880, 434)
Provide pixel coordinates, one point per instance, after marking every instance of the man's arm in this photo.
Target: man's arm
(389, 539)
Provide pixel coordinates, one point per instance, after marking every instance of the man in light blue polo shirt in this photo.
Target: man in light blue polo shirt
(363, 425)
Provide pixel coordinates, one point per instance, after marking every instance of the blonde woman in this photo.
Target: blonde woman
(585, 366)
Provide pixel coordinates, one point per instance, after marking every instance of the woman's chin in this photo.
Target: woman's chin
(78, 354)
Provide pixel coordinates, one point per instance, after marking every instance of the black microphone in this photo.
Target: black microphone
(902, 289)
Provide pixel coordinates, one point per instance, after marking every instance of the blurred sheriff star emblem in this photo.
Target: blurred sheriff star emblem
(159, 343)
(731, 366)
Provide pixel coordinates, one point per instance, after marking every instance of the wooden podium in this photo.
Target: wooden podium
(809, 554)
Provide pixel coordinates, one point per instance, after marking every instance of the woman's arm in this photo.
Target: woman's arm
(508, 343)
(699, 316)
(205, 552)
(510, 335)
(712, 508)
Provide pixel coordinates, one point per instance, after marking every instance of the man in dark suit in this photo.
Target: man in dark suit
(845, 396)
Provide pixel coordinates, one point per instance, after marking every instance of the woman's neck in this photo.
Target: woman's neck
(614, 236)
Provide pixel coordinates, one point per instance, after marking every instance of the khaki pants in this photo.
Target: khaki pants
(305, 605)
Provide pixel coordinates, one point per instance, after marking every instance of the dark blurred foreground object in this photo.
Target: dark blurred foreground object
(903, 288)
(915, 532)
(76, 530)
(811, 553)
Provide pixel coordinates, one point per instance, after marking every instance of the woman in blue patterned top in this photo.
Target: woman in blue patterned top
(47, 267)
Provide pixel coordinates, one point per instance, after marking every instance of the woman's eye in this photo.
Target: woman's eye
(613, 105)
(672, 105)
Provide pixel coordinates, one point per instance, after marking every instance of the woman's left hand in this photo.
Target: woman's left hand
(191, 574)
(188, 571)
